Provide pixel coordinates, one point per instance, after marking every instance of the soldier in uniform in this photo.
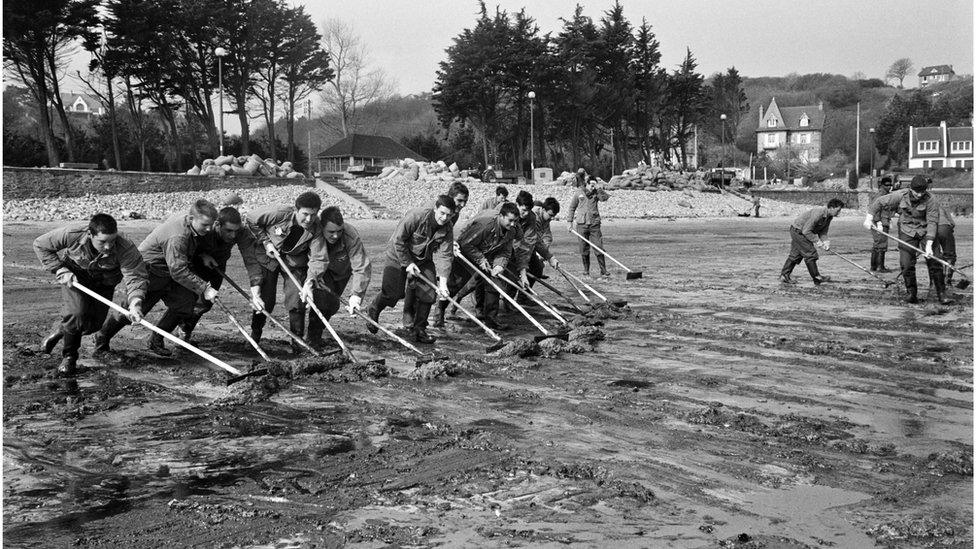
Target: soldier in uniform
(545, 212)
(291, 233)
(98, 257)
(807, 233)
(421, 245)
(584, 216)
(880, 247)
(918, 220)
(168, 252)
(347, 261)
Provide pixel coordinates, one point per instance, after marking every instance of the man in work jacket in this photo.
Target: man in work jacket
(213, 252)
(291, 233)
(168, 252)
(528, 244)
(545, 212)
(807, 233)
(347, 261)
(98, 257)
(459, 192)
(501, 197)
(488, 243)
(421, 245)
(918, 220)
(584, 213)
(880, 247)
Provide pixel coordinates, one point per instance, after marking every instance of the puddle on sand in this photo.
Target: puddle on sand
(802, 511)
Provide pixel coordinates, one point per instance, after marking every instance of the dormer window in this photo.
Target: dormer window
(772, 122)
(804, 121)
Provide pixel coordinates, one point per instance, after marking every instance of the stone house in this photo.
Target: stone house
(797, 129)
(935, 73)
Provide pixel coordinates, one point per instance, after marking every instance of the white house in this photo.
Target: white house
(81, 103)
(940, 147)
(935, 73)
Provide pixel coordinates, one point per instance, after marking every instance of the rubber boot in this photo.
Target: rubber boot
(421, 312)
(940, 288)
(157, 346)
(68, 366)
(949, 273)
(874, 261)
(491, 312)
(188, 325)
(911, 286)
(602, 261)
(815, 272)
(586, 265)
(257, 325)
(72, 343)
(113, 324)
(49, 342)
(881, 265)
(439, 314)
(374, 311)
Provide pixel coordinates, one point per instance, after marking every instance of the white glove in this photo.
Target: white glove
(818, 244)
(497, 270)
(880, 227)
(305, 294)
(65, 276)
(354, 304)
(413, 269)
(442, 292)
(256, 302)
(457, 248)
(554, 262)
(270, 249)
(524, 279)
(928, 250)
(135, 311)
(826, 244)
(868, 222)
(570, 229)
(208, 261)
(210, 293)
(485, 265)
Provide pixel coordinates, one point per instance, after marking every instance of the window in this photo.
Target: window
(771, 123)
(928, 146)
(770, 138)
(804, 121)
(962, 146)
(804, 138)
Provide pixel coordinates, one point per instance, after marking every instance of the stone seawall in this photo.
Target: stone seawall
(958, 201)
(55, 182)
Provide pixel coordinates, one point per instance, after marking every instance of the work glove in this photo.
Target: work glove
(256, 302)
(457, 248)
(929, 254)
(270, 249)
(135, 311)
(210, 294)
(305, 294)
(497, 270)
(868, 221)
(208, 261)
(570, 228)
(65, 276)
(524, 278)
(554, 262)
(880, 227)
(413, 269)
(818, 244)
(826, 245)
(354, 304)
(442, 292)
(484, 264)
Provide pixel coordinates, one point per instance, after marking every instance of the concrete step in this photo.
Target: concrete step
(372, 204)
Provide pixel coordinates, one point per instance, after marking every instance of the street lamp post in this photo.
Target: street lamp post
(220, 53)
(532, 134)
(724, 154)
(873, 150)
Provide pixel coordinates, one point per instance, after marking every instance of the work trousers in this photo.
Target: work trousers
(908, 258)
(81, 314)
(594, 235)
(327, 300)
(880, 240)
(202, 306)
(801, 249)
(417, 296)
(178, 299)
(292, 302)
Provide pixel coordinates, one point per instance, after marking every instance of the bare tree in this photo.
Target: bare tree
(355, 84)
(900, 69)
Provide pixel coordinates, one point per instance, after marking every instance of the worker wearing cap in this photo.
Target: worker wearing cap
(881, 241)
(918, 220)
(807, 233)
(584, 216)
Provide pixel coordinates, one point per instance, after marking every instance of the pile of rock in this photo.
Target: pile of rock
(409, 169)
(245, 165)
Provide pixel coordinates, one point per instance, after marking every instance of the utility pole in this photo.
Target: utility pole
(308, 128)
(857, 145)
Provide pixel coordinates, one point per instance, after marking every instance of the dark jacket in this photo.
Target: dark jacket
(169, 250)
(813, 223)
(585, 207)
(492, 203)
(418, 239)
(919, 218)
(529, 241)
(273, 224)
(347, 257)
(484, 239)
(71, 247)
(215, 247)
(545, 230)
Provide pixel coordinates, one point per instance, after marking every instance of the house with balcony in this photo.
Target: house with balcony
(798, 130)
(940, 147)
(935, 73)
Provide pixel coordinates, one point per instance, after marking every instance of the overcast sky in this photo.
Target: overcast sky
(760, 38)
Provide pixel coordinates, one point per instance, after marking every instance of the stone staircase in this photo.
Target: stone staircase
(378, 209)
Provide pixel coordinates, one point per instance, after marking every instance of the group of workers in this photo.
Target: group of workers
(315, 253)
(925, 228)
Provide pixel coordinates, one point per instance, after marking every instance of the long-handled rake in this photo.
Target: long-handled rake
(631, 274)
(615, 302)
(499, 343)
(962, 285)
(546, 334)
(236, 374)
(247, 336)
(325, 322)
(423, 358)
(295, 337)
(883, 281)
(534, 297)
(556, 291)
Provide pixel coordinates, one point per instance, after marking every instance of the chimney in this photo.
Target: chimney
(820, 105)
(760, 114)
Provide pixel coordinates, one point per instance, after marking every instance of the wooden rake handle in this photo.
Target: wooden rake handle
(597, 248)
(312, 306)
(503, 294)
(461, 308)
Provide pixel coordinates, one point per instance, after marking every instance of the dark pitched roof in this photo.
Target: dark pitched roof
(369, 146)
(928, 133)
(963, 133)
(789, 118)
(936, 69)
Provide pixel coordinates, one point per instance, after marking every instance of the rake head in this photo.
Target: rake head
(963, 284)
(259, 372)
(495, 346)
(631, 275)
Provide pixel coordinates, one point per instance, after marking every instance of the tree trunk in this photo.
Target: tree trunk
(113, 122)
(240, 102)
(170, 118)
